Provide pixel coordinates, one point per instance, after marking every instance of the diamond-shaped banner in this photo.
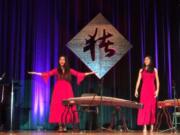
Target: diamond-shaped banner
(99, 45)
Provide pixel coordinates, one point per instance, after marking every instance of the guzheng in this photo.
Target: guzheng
(102, 100)
(168, 103)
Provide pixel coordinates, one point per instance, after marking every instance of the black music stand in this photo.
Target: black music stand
(1, 79)
(13, 86)
(2, 98)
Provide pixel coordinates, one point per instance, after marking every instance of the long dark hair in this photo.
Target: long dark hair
(66, 75)
(150, 67)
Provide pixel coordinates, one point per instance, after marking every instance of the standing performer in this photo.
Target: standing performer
(149, 92)
(62, 89)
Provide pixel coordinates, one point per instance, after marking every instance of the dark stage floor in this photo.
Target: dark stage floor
(86, 133)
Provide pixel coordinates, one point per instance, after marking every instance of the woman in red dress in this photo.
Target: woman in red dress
(62, 89)
(149, 92)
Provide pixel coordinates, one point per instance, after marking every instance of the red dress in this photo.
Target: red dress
(62, 90)
(146, 115)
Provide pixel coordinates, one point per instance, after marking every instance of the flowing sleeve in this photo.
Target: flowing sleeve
(46, 75)
(80, 76)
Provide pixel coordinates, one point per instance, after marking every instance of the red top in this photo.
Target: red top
(80, 76)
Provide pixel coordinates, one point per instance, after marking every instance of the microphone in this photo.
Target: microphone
(173, 84)
(63, 69)
(3, 75)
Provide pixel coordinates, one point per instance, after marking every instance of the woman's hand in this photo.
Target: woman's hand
(157, 83)
(136, 94)
(156, 93)
(89, 73)
(34, 73)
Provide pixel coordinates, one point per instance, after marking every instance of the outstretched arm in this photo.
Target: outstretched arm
(138, 83)
(80, 76)
(89, 73)
(35, 73)
(45, 75)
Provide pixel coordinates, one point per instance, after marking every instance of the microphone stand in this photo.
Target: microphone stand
(175, 104)
(101, 94)
(12, 107)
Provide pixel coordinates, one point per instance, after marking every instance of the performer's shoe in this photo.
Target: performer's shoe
(62, 129)
(151, 130)
(65, 129)
(145, 130)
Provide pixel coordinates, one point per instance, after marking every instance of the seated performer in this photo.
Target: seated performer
(62, 90)
(149, 92)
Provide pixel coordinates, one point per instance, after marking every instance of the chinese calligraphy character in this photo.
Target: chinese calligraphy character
(106, 44)
(90, 44)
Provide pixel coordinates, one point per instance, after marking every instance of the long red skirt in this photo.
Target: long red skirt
(146, 115)
(62, 90)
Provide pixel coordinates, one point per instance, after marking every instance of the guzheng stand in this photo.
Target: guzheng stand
(122, 119)
(167, 104)
(163, 112)
(68, 110)
(97, 100)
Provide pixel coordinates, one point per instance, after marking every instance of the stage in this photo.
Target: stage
(82, 64)
(85, 133)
